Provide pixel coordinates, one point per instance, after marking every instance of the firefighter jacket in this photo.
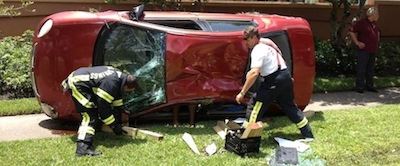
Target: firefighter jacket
(98, 87)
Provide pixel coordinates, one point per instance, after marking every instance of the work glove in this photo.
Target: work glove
(117, 129)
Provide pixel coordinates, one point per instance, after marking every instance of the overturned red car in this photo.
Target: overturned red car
(180, 58)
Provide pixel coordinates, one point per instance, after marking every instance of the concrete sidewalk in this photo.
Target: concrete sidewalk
(40, 126)
(350, 99)
(34, 126)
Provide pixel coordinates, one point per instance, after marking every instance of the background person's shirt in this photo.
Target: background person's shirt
(368, 33)
(265, 57)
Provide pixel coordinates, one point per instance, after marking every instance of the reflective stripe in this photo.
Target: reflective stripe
(90, 130)
(83, 128)
(103, 94)
(302, 123)
(78, 96)
(254, 113)
(117, 103)
(109, 120)
(81, 78)
(64, 84)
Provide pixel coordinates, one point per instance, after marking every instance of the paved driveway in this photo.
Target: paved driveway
(40, 126)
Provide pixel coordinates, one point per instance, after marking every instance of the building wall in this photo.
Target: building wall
(317, 14)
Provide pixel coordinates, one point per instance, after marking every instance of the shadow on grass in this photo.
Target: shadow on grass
(283, 121)
(205, 127)
(110, 140)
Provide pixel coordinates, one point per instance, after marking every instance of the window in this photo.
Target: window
(183, 24)
(229, 25)
(139, 52)
(280, 38)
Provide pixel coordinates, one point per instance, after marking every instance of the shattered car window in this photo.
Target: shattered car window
(141, 53)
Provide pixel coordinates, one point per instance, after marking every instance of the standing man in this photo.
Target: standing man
(97, 94)
(365, 34)
(266, 60)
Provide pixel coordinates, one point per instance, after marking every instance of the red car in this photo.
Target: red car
(180, 58)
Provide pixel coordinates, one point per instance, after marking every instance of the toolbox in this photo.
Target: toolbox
(234, 143)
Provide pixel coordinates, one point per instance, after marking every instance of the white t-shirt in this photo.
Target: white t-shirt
(265, 57)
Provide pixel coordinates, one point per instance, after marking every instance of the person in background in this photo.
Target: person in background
(267, 61)
(97, 94)
(366, 35)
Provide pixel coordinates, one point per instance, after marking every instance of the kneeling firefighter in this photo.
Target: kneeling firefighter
(97, 94)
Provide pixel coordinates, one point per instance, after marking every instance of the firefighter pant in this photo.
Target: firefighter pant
(90, 121)
(277, 87)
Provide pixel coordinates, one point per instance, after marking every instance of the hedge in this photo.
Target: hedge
(15, 65)
(328, 64)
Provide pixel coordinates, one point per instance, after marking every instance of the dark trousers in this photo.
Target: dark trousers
(276, 87)
(88, 124)
(365, 69)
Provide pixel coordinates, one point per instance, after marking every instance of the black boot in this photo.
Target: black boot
(83, 149)
(306, 131)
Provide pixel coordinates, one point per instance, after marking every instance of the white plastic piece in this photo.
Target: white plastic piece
(189, 141)
(301, 147)
(211, 149)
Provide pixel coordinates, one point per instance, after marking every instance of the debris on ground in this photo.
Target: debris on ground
(211, 149)
(135, 132)
(190, 142)
(222, 127)
(294, 153)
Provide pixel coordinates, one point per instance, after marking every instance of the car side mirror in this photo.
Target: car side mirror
(137, 13)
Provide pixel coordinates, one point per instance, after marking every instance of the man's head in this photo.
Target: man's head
(372, 14)
(251, 36)
(130, 83)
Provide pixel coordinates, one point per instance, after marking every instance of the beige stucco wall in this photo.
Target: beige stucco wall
(317, 14)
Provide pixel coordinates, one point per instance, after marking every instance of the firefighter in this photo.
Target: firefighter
(97, 94)
(277, 85)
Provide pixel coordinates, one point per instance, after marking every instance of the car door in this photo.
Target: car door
(140, 52)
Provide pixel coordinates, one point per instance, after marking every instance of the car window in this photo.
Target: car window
(229, 25)
(280, 38)
(183, 24)
(141, 53)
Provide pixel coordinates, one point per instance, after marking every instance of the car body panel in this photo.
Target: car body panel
(200, 66)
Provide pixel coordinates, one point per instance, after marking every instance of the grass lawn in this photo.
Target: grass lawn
(333, 84)
(362, 136)
(19, 106)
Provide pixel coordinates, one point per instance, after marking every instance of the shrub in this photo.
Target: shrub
(388, 59)
(14, 65)
(328, 64)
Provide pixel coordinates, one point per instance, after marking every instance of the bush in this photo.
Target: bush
(14, 65)
(328, 64)
(388, 59)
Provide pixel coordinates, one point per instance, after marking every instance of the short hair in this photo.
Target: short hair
(250, 31)
(371, 11)
(131, 82)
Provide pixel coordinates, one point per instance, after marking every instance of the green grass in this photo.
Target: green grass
(361, 136)
(333, 84)
(19, 107)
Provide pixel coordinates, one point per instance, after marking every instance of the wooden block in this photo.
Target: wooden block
(134, 132)
(232, 125)
(152, 134)
(252, 130)
(131, 131)
(220, 132)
